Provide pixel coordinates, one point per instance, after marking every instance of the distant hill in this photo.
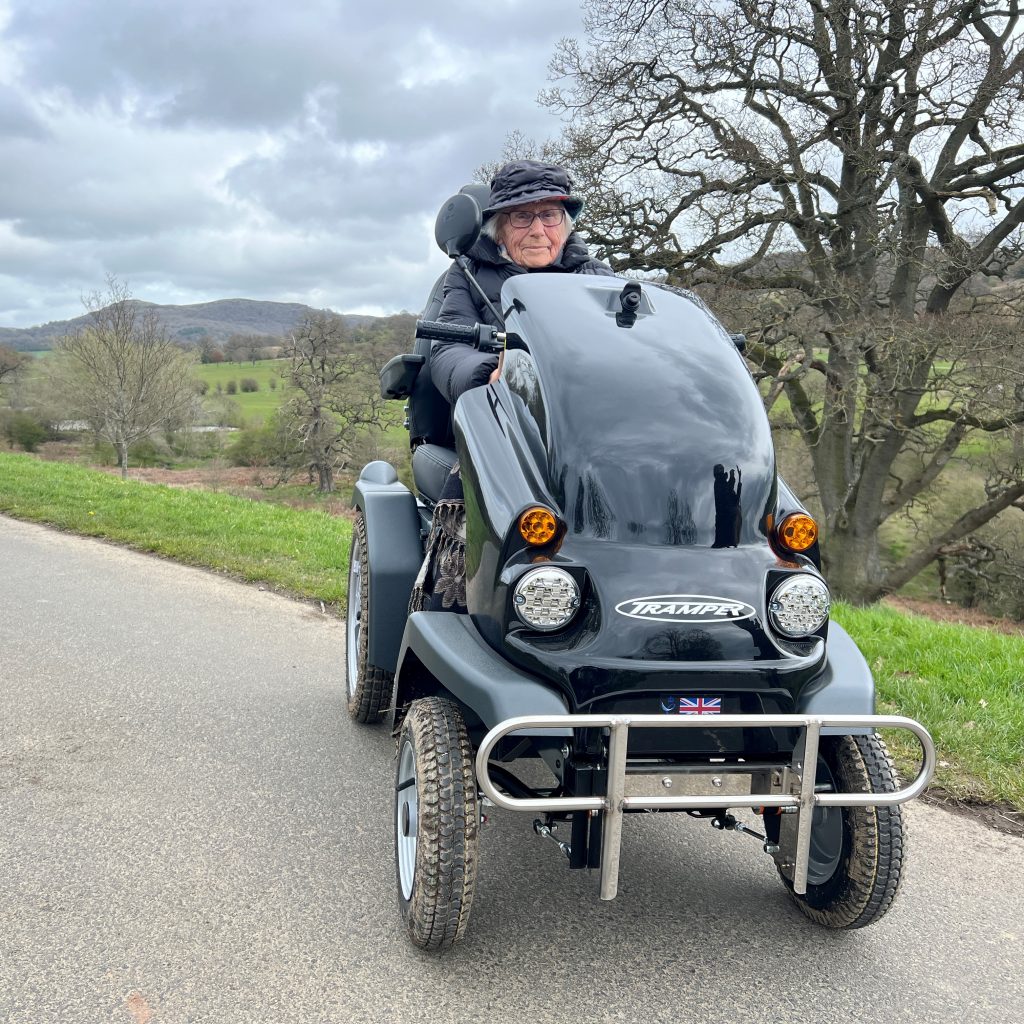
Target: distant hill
(215, 321)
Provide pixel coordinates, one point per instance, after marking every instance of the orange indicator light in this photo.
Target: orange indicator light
(797, 532)
(538, 526)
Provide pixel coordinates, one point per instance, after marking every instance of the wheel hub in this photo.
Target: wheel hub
(406, 812)
(826, 832)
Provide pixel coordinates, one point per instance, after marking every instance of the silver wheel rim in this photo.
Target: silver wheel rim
(826, 831)
(406, 820)
(354, 614)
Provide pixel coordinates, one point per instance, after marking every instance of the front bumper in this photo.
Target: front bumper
(793, 787)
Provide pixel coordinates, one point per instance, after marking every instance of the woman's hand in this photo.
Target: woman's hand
(496, 372)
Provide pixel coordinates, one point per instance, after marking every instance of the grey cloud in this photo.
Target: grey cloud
(17, 119)
(95, 183)
(234, 63)
(202, 149)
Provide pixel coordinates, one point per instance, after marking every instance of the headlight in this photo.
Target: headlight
(799, 606)
(546, 598)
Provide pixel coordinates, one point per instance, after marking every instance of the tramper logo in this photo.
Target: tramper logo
(685, 608)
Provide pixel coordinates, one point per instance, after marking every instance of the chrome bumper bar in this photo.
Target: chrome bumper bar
(616, 802)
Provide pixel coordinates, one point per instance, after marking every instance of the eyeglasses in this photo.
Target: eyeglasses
(549, 218)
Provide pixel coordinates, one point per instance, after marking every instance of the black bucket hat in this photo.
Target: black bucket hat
(526, 181)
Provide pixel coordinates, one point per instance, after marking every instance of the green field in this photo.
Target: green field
(254, 407)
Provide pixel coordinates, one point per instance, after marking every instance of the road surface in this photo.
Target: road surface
(192, 830)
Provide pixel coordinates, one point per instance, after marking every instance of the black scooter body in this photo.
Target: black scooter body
(651, 444)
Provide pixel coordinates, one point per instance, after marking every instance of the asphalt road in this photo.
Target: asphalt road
(192, 830)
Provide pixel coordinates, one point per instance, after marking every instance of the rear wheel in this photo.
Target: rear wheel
(856, 857)
(436, 824)
(369, 688)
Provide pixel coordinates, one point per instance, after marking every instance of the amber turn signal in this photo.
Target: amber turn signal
(797, 532)
(538, 526)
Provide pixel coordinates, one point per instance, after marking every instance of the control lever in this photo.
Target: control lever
(629, 300)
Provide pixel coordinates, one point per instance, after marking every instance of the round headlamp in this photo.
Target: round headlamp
(799, 606)
(546, 598)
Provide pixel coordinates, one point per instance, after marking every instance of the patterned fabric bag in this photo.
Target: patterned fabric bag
(441, 583)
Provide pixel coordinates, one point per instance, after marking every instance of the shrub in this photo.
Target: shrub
(249, 384)
(272, 383)
(202, 386)
(231, 387)
(23, 429)
(148, 453)
(254, 447)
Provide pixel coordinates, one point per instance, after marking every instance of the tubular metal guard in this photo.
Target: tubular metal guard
(616, 802)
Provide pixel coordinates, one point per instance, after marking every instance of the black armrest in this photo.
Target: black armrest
(397, 377)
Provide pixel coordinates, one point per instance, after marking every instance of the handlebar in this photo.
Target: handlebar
(481, 336)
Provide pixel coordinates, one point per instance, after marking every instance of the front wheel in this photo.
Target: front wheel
(436, 824)
(856, 857)
(369, 688)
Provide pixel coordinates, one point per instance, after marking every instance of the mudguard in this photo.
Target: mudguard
(394, 554)
(450, 648)
(844, 687)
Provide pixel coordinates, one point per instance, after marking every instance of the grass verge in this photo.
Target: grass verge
(304, 552)
(964, 684)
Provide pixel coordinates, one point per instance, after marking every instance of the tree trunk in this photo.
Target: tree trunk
(325, 474)
(122, 458)
(852, 565)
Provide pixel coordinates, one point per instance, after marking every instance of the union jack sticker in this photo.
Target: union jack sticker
(691, 705)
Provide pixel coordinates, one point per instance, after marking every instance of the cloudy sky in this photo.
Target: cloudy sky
(208, 149)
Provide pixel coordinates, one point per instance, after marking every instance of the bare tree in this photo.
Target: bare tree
(123, 374)
(10, 363)
(855, 165)
(335, 394)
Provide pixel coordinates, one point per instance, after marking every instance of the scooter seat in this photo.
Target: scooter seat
(431, 467)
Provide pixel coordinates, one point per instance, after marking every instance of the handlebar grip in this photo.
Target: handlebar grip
(434, 331)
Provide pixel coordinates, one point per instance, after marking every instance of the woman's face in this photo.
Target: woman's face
(535, 245)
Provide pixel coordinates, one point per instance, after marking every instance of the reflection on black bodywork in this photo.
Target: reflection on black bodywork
(682, 645)
(728, 516)
(679, 523)
(591, 511)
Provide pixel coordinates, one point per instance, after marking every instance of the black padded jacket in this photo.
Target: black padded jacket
(457, 367)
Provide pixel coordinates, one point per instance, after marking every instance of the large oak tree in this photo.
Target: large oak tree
(856, 167)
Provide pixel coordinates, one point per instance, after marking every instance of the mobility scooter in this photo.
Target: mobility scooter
(647, 620)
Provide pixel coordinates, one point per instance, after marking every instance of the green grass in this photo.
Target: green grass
(255, 406)
(304, 552)
(965, 684)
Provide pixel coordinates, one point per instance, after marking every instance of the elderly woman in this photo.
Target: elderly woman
(528, 229)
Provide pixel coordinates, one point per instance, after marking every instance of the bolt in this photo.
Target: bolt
(666, 782)
(772, 848)
(716, 782)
